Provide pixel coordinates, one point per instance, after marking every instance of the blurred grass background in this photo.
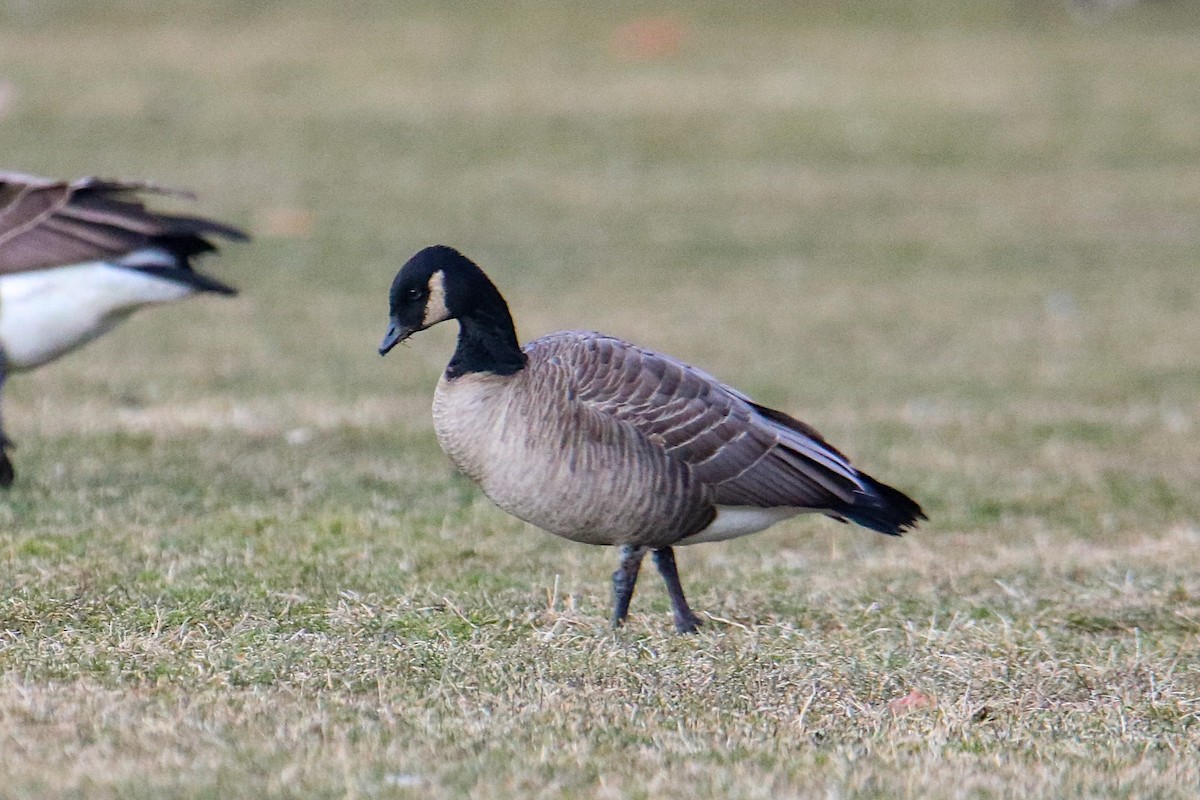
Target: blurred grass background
(959, 239)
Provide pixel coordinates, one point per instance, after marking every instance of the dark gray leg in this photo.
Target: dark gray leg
(624, 580)
(6, 468)
(685, 620)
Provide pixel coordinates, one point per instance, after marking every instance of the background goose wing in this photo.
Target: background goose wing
(46, 223)
(746, 454)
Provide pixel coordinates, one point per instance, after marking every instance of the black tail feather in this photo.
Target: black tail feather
(189, 277)
(183, 247)
(882, 508)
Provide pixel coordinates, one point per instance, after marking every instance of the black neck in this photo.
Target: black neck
(487, 342)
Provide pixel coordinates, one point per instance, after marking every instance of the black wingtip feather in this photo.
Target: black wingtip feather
(882, 508)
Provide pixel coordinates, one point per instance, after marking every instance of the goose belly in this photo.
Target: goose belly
(547, 468)
(734, 521)
(46, 313)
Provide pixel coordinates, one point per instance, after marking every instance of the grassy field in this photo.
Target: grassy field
(961, 242)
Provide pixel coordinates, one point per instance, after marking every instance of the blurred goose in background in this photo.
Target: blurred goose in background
(602, 442)
(77, 258)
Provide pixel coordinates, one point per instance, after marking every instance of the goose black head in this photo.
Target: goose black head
(437, 284)
(418, 298)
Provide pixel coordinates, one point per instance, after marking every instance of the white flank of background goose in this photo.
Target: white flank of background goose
(599, 441)
(77, 258)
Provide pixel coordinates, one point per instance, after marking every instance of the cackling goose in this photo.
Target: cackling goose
(602, 442)
(77, 258)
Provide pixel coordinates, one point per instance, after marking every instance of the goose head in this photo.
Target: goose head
(437, 284)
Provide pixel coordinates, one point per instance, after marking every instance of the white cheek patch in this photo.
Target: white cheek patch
(435, 306)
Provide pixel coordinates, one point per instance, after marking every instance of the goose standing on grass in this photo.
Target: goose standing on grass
(77, 258)
(602, 442)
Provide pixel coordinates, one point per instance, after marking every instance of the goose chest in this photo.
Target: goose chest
(560, 465)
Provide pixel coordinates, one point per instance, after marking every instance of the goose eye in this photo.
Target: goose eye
(413, 294)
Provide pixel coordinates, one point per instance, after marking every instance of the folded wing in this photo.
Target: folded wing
(747, 455)
(46, 223)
